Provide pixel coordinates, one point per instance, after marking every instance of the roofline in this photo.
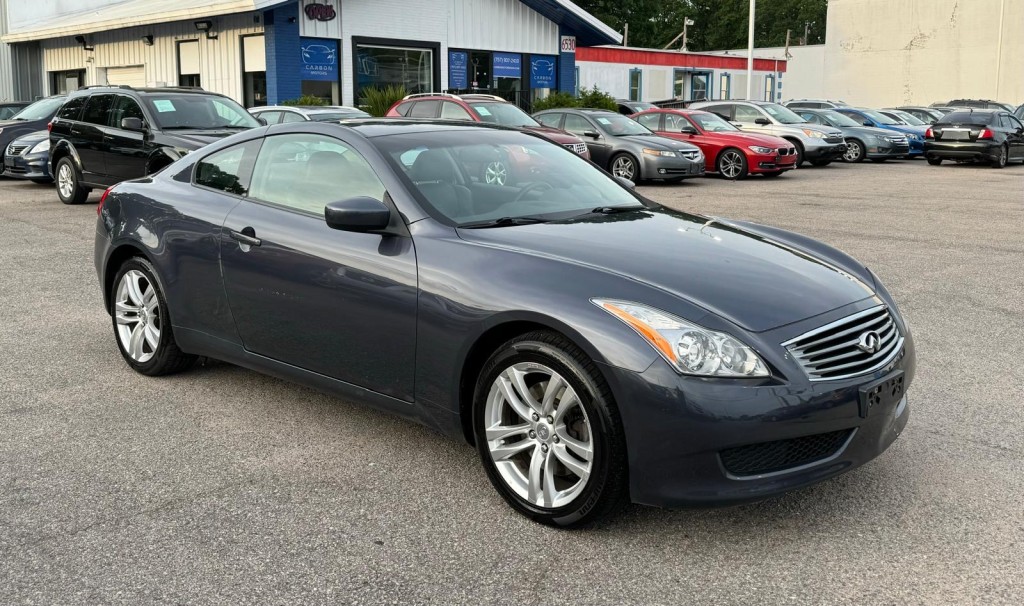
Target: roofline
(591, 20)
(212, 10)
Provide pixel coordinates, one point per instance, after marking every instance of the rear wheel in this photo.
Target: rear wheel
(854, 151)
(1002, 158)
(935, 161)
(69, 189)
(549, 433)
(732, 164)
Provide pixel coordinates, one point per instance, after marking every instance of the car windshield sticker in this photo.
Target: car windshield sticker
(163, 105)
(604, 121)
(483, 111)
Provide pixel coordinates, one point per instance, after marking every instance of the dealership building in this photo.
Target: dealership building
(266, 51)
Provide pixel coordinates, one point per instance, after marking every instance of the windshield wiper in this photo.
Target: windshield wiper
(504, 222)
(611, 210)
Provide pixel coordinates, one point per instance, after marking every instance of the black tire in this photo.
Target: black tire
(606, 489)
(621, 160)
(855, 151)
(799, 151)
(773, 174)
(935, 161)
(731, 164)
(166, 358)
(74, 192)
(1004, 157)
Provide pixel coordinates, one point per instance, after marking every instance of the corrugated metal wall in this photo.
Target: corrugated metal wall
(220, 59)
(6, 66)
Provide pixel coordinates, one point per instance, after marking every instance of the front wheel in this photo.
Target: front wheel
(1003, 157)
(141, 324)
(548, 432)
(623, 165)
(935, 161)
(69, 189)
(854, 151)
(732, 164)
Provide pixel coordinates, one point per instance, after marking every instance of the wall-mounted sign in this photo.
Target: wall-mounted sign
(542, 71)
(458, 63)
(508, 65)
(568, 44)
(320, 12)
(319, 59)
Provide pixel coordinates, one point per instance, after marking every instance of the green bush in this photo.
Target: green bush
(555, 100)
(596, 99)
(377, 101)
(305, 100)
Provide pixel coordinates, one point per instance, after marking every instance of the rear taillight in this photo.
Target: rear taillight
(985, 134)
(103, 198)
(928, 134)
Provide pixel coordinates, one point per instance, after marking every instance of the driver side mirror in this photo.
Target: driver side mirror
(133, 124)
(762, 121)
(593, 134)
(624, 182)
(362, 214)
(261, 120)
(688, 130)
(867, 123)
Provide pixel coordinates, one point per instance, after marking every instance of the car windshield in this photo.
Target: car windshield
(838, 119)
(504, 114)
(43, 109)
(455, 173)
(190, 111)
(618, 125)
(977, 118)
(909, 118)
(640, 106)
(334, 116)
(782, 114)
(712, 123)
(878, 117)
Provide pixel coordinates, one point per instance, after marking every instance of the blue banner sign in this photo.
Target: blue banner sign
(542, 71)
(457, 70)
(508, 65)
(319, 59)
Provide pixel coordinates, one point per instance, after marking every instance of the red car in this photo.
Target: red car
(492, 110)
(729, 151)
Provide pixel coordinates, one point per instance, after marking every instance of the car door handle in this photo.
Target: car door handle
(249, 239)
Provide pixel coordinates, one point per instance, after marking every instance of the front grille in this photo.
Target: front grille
(15, 149)
(835, 139)
(768, 457)
(17, 170)
(787, 151)
(844, 348)
(578, 148)
(690, 155)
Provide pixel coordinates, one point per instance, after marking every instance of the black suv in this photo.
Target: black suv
(103, 135)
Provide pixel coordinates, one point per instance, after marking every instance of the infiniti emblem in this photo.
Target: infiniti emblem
(869, 342)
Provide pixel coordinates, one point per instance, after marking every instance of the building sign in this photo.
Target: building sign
(319, 59)
(542, 71)
(320, 12)
(508, 65)
(458, 62)
(568, 44)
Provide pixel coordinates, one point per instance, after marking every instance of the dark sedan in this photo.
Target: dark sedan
(596, 347)
(29, 120)
(28, 157)
(9, 109)
(985, 135)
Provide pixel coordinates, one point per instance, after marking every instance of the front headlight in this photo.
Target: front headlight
(42, 146)
(691, 349)
(814, 134)
(757, 149)
(658, 152)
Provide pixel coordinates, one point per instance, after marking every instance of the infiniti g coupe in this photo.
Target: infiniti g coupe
(596, 348)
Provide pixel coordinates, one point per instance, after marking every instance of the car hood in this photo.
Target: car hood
(33, 138)
(194, 139)
(553, 134)
(12, 129)
(658, 142)
(747, 139)
(750, 279)
(917, 130)
(867, 131)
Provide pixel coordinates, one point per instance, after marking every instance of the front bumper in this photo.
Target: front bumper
(660, 167)
(677, 428)
(819, 149)
(769, 163)
(962, 150)
(27, 166)
(886, 150)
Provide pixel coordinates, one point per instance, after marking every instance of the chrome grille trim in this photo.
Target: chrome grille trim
(15, 150)
(831, 351)
(690, 155)
(578, 148)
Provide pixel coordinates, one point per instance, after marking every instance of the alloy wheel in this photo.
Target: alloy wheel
(623, 167)
(496, 173)
(538, 435)
(853, 151)
(730, 164)
(65, 181)
(137, 313)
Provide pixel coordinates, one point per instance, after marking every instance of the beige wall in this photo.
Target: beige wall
(889, 52)
(805, 71)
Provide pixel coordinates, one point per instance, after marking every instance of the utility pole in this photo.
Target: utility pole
(625, 35)
(686, 22)
(750, 50)
(807, 33)
(787, 55)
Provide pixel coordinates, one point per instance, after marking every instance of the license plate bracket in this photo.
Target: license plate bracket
(884, 393)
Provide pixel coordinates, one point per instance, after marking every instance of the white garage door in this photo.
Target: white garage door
(132, 76)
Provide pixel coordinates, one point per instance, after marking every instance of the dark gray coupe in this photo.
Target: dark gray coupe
(596, 347)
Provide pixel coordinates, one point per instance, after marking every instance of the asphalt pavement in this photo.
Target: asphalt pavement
(222, 486)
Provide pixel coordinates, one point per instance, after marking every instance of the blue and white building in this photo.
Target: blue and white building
(267, 51)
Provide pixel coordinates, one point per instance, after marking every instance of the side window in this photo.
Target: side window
(1014, 123)
(270, 117)
(126, 107)
(403, 108)
(287, 117)
(552, 120)
(72, 108)
(747, 114)
(577, 125)
(228, 170)
(723, 111)
(305, 172)
(97, 110)
(674, 123)
(453, 111)
(424, 109)
(651, 121)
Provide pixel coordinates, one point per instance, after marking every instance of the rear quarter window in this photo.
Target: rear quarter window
(403, 108)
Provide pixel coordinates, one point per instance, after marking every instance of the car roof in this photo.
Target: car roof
(379, 127)
(184, 90)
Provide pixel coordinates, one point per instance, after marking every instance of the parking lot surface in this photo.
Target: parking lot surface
(224, 486)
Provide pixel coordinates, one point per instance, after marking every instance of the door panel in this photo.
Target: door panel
(89, 139)
(127, 153)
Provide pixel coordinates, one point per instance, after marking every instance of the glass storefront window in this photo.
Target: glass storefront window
(380, 66)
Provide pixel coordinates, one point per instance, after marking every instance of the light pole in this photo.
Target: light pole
(750, 50)
(686, 23)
